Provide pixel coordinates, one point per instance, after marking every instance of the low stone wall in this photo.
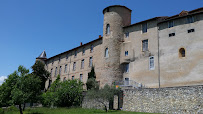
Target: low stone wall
(90, 103)
(171, 100)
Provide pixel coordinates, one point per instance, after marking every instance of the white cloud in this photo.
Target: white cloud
(2, 79)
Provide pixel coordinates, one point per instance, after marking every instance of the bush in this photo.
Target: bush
(1, 111)
(12, 108)
(64, 94)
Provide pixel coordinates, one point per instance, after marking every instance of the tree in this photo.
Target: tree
(19, 88)
(91, 81)
(40, 71)
(103, 95)
(27, 89)
(64, 94)
(6, 88)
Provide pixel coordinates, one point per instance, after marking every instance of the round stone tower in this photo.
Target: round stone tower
(115, 18)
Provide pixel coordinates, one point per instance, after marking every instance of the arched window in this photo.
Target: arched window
(181, 52)
(106, 52)
(107, 29)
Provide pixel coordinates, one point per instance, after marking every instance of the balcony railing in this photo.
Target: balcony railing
(129, 83)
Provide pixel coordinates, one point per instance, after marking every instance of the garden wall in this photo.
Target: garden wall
(180, 100)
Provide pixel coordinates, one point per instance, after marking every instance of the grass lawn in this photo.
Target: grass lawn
(69, 111)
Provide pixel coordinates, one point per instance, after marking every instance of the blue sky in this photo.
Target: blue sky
(27, 27)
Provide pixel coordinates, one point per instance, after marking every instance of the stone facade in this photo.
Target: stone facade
(171, 100)
(158, 52)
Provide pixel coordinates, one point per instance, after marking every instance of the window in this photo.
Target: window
(107, 10)
(126, 53)
(106, 52)
(81, 76)
(91, 48)
(107, 29)
(144, 27)
(126, 81)
(82, 64)
(127, 34)
(64, 79)
(55, 71)
(170, 24)
(74, 66)
(75, 55)
(72, 77)
(60, 68)
(190, 19)
(59, 59)
(151, 63)
(191, 30)
(50, 81)
(90, 62)
(181, 52)
(66, 57)
(171, 34)
(52, 62)
(144, 45)
(83, 51)
(51, 72)
(126, 68)
(65, 70)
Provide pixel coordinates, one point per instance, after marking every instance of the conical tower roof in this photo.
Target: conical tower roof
(42, 55)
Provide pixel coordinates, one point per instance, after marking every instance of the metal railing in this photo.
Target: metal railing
(129, 83)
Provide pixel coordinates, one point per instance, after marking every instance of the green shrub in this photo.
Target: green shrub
(12, 108)
(1, 111)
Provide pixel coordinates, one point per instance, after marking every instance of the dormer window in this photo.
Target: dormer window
(107, 29)
(170, 24)
(190, 19)
(144, 27)
(91, 48)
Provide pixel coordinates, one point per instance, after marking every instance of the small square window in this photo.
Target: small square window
(171, 34)
(72, 77)
(191, 30)
(126, 53)
(127, 34)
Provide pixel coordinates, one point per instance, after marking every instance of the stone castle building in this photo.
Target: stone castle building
(158, 52)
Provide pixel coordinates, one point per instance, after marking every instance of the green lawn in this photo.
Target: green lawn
(69, 111)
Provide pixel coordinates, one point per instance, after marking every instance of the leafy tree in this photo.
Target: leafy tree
(64, 94)
(40, 71)
(6, 88)
(103, 95)
(19, 88)
(91, 81)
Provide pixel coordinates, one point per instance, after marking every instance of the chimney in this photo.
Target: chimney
(100, 36)
(80, 43)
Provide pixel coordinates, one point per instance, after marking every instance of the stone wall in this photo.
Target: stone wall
(172, 100)
(92, 103)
